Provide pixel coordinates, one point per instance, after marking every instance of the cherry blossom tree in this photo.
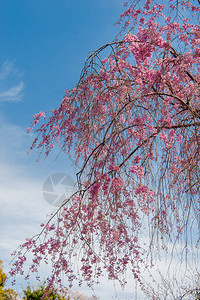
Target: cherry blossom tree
(132, 122)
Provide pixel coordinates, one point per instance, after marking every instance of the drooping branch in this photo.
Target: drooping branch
(133, 123)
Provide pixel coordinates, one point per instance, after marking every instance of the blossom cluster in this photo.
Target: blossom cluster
(133, 122)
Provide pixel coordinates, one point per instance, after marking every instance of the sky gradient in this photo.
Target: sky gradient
(43, 48)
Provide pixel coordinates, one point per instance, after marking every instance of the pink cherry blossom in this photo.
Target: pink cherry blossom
(133, 123)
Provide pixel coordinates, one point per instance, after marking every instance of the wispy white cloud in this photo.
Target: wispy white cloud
(11, 89)
(14, 94)
(22, 204)
(6, 69)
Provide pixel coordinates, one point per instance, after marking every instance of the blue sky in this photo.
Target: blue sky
(47, 43)
(43, 48)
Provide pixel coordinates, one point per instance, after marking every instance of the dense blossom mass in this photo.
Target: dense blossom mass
(133, 123)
